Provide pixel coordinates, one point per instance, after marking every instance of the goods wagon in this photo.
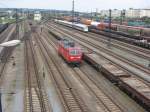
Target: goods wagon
(97, 25)
(67, 18)
(134, 31)
(71, 52)
(86, 21)
(128, 82)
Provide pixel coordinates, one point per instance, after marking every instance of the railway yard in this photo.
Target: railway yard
(114, 76)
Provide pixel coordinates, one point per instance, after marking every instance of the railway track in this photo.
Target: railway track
(6, 52)
(143, 53)
(106, 104)
(127, 39)
(127, 64)
(140, 81)
(70, 98)
(35, 97)
(139, 57)
(7, 33)
(104, 101)
(139, 49)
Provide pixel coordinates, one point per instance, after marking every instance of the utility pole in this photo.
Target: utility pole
(72, 12)
(96, 14)
(91, 15)
(28, 14)
(17, 24)
(109, 38)
(110, 20)
(121, 18)
(73, 9)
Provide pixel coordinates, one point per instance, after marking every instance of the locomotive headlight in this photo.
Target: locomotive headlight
(75, 57)
(71, 57)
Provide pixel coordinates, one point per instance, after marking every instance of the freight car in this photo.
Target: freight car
(70, 51)
(133, 86)
(77, 26)
(146, 34)
(138, 33)
(129, 30)
(137, 89)
(86, 21)
(3, 27)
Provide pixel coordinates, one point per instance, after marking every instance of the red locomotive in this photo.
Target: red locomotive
(70, 51)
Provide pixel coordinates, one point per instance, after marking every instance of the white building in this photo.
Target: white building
(116, 13)
(138, 13)
(104, 12)
(37, 16)
(133, 13)
(145, 12)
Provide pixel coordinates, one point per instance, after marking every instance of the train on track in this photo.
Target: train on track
(77, 26)
(70, 51)
(3, 27)
(137, 32)
(132, 85)
(135, 35)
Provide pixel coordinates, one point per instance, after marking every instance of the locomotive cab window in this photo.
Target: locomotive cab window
(75, 52)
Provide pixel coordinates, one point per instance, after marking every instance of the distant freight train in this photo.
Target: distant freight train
(138, 35)
(70, 51)
(142, 33)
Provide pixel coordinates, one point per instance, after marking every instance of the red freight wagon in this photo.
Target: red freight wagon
(70, 51)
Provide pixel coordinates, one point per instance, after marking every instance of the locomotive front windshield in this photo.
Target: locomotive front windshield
(75, 52)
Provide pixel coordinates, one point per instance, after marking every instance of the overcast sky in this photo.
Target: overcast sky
(80, 5)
